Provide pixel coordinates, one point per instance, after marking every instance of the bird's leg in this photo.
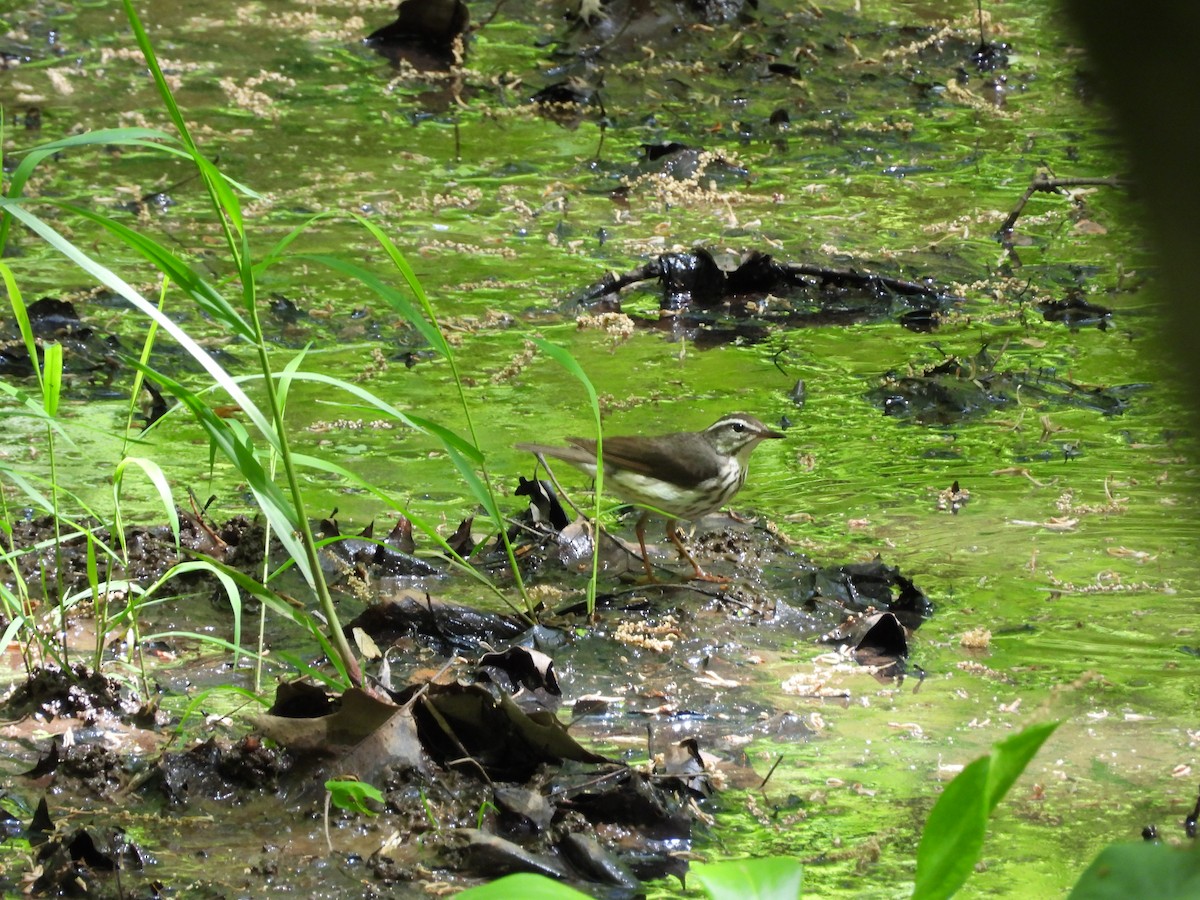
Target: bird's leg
(700, 574)
(640, 530)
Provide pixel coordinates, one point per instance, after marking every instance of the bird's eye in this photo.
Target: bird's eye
(739, 426)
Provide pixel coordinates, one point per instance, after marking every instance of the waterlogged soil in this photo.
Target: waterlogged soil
(983, 515)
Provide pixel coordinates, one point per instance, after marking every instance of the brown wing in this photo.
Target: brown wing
(677, 458)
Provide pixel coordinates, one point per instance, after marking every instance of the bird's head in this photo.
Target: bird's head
(738, 434)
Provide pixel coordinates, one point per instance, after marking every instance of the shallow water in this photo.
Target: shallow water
(1077, 548)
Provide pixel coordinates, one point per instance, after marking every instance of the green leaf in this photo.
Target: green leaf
(146, 138)
(406, 271)
(285, 377)
(1010, 757)
(524, 885)
(953, 837)
(160, 81)
(772, 878)
(352, 795)
(954, 832)
(1122, 871)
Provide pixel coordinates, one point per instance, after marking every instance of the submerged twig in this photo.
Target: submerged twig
(770, 772)
(1047, 183)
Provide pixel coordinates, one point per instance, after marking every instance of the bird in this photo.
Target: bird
(685, 474)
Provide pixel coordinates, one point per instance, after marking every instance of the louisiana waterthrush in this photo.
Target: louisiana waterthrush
(686, 475)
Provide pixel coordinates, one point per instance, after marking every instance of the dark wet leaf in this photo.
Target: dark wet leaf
(1076, 311)
(595, 864)
(395, 743)
(572, 92)
(401, 536)
(350, 719)
(957, 390)
(285, 309)
(450, 629)
(461, 541)
(427, 34)
(859, 587)
(547, 735)
(690, 279)
(437, 22)
(657, 151)
(519, 668)
(530, 808)
(467, 726)
(46, 765)
(390, 557)
(590, 706)
(544, 508)
(83, 849)
(632, 799)
(51, 317)
(302, 700)
(713, 302)
(41, 821)
(490, 856)
(883, 642)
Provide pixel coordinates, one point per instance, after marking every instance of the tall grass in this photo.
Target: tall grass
(261, 448)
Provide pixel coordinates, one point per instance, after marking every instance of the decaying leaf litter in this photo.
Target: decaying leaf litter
(444, 725)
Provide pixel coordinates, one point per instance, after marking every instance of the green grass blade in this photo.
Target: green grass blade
(273, 255)
(231, 439)
(118, 285)
(160, 81)
(401, 263)
(21, 314)
(390, 295)
(232, 580)
(159, 479)
(52, 377)
(561, 356)
(206, 296)
(16, 625)
(34, 407)
(45, 504)
(448, 438)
